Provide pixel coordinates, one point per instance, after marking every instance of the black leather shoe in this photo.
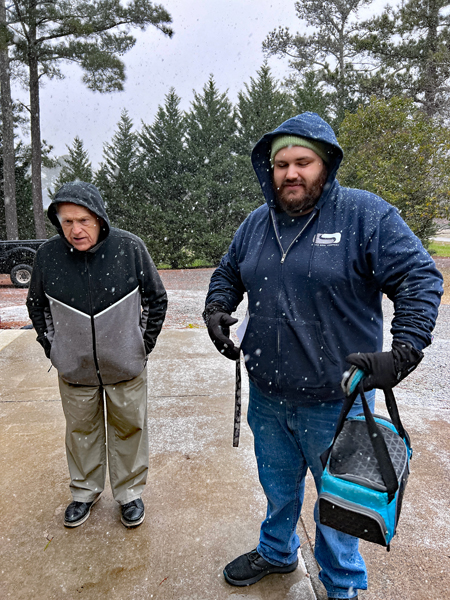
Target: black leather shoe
(332, 598)
(78, 512)
(251, 567)
(133, 513)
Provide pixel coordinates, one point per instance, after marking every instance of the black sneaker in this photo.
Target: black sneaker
(78, 512)
(133, 513)
(332, 598)
(251, 567)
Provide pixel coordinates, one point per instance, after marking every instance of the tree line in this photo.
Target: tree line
(184, 182)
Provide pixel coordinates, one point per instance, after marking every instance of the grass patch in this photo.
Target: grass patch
(441, 249)
(198, 263)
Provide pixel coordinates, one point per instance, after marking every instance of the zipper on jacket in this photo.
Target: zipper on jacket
(283, 258)
(284, 253)
(94, 346)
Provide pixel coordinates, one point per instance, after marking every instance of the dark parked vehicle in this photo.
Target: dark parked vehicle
(16, 258)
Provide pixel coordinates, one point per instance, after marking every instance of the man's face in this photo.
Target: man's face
(299, 175)
(80, 226)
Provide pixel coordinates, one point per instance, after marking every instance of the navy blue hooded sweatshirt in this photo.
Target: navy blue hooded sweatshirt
(321, 301)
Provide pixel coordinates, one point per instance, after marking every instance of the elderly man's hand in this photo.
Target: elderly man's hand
(42, 339)
(384, 370)
(218, 323)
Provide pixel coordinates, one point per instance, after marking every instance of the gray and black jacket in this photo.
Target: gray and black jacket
(97, 313)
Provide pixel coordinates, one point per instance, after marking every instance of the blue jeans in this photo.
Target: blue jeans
(289, 438)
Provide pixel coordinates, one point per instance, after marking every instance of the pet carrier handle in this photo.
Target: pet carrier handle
(357, 377)
(376, 438)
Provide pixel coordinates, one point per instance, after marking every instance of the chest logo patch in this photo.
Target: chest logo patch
(327, 239)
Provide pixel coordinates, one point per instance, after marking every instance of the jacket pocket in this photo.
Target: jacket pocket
(72, 352)
(259, 347)
(120, 347)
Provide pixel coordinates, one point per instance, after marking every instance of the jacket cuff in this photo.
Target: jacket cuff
(211, 309)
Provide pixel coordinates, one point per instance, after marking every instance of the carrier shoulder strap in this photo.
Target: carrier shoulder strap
(391, 405)
(380, 449)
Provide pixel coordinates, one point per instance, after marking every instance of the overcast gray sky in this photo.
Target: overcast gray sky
(222, 37)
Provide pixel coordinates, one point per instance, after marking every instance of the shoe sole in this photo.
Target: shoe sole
(132, 524)
(84, 519)
(252, 580)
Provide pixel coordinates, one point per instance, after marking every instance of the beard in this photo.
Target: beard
(307, 197)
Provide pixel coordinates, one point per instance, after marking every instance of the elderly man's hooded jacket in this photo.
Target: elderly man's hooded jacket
(315, 285)
(98, 312)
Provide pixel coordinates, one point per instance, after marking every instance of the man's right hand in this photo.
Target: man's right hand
(218, 324)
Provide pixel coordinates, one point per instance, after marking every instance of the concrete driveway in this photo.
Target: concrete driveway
(203, 500)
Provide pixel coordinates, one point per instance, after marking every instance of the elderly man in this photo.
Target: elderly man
(315, 260)
(98, 305)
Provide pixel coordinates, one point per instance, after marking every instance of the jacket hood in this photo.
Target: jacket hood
(83, 194)
(307, 125)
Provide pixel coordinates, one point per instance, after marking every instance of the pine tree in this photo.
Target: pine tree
(309, 95)
(163, 165)
(25, 222)
(94, 34)
(7, 118)
(410, 46)
(261, 108)
(329, 50)
(211, 143)
(118, 178)
(76, 167)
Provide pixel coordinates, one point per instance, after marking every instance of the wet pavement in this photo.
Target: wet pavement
(203, 500)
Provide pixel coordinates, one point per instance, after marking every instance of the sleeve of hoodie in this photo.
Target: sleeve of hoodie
(406, 273)
(226, 287)
(38, 305)
(153, 298)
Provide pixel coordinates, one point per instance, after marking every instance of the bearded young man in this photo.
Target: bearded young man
(315, 260)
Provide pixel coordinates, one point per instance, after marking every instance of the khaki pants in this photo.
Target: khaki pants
(126, 414)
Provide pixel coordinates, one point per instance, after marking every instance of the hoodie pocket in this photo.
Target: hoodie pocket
(121, 353)
(306, 361)
(72, 351)
(259, 348)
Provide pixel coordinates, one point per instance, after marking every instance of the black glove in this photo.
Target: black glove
(385, 369)
(43, 340)
(218, 323)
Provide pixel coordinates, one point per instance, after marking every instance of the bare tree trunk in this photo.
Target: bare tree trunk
(36, 158)
(9, 175)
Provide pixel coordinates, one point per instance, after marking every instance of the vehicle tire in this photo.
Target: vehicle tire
(21, 275)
